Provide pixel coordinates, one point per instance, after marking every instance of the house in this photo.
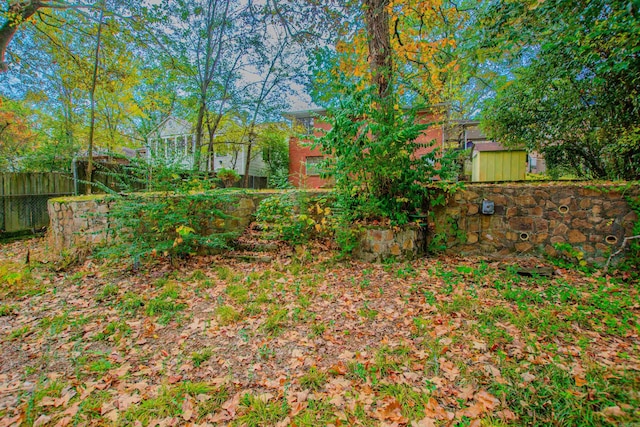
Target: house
(304, 160)
(173, 143)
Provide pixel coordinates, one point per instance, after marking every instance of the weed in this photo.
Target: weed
(168, 402)
(412, 402)
(7, 310)
(198, 275)
(19, 332)
(366, 312)
(55, 324)
(131, 302)
(116, 330)
(238, 293)
(100, 366)
(199, 357)
(318, 329)
(314, 379)
(276, 321)
(108, 291)
(223, 272)
(317, 413)
(256, 412)
(165, 305)
(265, 352)
(227, 314)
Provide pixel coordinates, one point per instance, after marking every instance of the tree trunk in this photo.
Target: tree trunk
(379, 41)
(247, 160)
(92, 96)
(199, 132)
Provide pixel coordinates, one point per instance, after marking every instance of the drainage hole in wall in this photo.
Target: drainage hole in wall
(563, 209)
(524, 236)
(612, 240)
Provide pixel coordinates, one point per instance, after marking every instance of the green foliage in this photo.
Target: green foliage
(377, 174)
(228, 177)
(293, 217)
(170, 224)
(575, 98)
(569, 257)
(199, 357)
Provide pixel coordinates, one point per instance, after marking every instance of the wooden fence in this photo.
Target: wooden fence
(24, 196)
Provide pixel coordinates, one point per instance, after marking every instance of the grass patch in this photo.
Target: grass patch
(256, 412)
(199, 357)
(17, 281)
(227, 314)
(169, 402)
(314, 379)
(275, 322)
(8, 309)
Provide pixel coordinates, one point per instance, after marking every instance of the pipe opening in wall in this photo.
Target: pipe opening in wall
(524, 236)
(563, 209)
(612, 240)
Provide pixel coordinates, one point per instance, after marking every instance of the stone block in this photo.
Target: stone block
(575, 236)
(511, 212)
(472, 238)
(472, 209)
(595, 219)
(511, 236)
(561, 230)
(525, 201)
(394, 249)
(521, 223)
(539, 238)
(537, 211)
(550, 251)
(581, 224)
(541, 224)
(596, 238)
(387, 235)
(523, 246)
(557, 239)
(585, 204)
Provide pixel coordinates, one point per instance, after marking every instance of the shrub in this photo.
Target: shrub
(293, 217)
(228, 177)
(170, 224)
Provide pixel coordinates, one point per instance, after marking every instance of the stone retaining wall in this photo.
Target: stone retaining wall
(526, 219)
(83, 221)
(532, 218)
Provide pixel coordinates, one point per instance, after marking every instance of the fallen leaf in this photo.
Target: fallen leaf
(527, 377)
(425, 422)
(42, 420)
(187, 408)
(390, 410)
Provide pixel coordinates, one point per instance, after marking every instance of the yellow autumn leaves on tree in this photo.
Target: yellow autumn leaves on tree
(423, 49)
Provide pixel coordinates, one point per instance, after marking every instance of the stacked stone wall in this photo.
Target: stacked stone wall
(535, 218)
(527, 219)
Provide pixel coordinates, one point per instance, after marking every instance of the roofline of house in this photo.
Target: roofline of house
(165, 120)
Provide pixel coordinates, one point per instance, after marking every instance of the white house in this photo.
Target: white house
(172, 142)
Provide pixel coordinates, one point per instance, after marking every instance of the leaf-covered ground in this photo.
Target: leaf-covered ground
(216, 341)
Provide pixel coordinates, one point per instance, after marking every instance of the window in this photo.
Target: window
(306, 123)
(313, 165)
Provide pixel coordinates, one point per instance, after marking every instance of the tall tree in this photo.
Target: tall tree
(572, 92)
